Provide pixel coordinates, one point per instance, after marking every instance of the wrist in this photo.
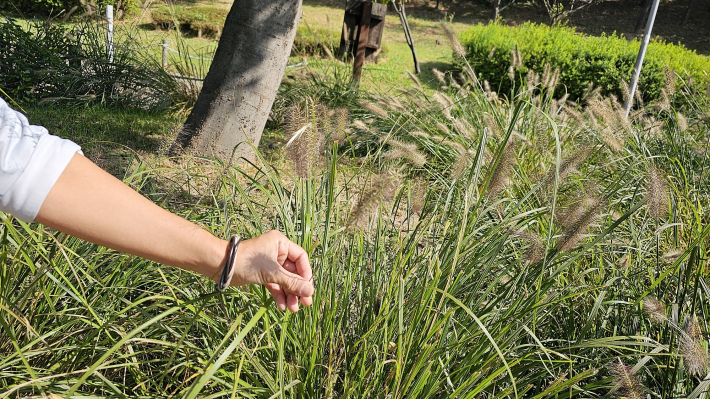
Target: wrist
(214, 257)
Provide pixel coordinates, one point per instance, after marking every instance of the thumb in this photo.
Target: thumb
(294, 284)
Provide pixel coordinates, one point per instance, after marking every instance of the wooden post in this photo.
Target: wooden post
(164, 62)
(362, 42)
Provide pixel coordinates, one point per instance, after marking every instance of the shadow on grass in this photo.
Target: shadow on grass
(427, 77)
(128, 129)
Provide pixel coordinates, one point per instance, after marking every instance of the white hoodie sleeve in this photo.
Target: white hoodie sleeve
(31, 161)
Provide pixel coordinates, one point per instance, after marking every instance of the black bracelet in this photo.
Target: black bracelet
(228, 267)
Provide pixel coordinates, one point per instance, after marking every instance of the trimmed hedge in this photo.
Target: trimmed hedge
(201, 19)
(604, 61)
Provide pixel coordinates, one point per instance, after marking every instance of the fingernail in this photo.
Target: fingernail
(306, 289)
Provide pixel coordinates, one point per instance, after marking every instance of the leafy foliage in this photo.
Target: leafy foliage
(207, 19)
(583, 61)
(49, 62)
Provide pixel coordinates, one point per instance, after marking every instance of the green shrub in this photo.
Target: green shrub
(310, 42)
(582, 60)
(201, 19)
(44, 63)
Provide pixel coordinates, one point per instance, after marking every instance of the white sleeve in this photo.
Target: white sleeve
(31, 161)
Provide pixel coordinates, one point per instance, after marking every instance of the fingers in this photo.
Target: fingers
(278, 294)
(299, 257)
(292, 283)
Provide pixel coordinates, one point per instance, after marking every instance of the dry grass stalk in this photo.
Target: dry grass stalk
(578, 227)
(568, 166)
(440, 76)
(657, 194)
(360, 125)
(453, 83)
(443, 128)
(669, 77)
(458, 48)
(654, 309)
(682, 122)
(536, 246)
(414, 79)
(307, 127)
(695, 358)
(626, 383)
(374, 109)
(492, 52)
(672, 255)
(408, 151)
(382, 189)
(500, 176)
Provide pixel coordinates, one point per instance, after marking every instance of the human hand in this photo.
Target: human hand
(279, 264)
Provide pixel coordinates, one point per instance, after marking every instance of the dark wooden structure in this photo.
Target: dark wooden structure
(361, 36)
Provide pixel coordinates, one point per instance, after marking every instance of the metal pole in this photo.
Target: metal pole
(109, 33)
(164, 62)
(642, 54)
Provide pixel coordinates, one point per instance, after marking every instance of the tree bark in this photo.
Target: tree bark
(241, 85)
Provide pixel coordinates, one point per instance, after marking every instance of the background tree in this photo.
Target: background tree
(559, 10)
(241, 85)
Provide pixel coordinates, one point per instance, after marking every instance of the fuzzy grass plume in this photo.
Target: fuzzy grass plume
(657, 194)
(626, 383)
(695, 358)
(380, 190)
(578, 227)
(654, 309)
(408, 151)
(500, 175)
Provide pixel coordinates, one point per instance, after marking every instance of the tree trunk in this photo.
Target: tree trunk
(496, 9)
(241, 85)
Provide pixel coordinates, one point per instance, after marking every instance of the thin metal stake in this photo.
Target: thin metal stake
(109, 33)
(642, 54)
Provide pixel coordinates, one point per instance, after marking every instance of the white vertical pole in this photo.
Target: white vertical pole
(642, 54)
(109, 33)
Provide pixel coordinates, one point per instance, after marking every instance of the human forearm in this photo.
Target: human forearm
(89, 203)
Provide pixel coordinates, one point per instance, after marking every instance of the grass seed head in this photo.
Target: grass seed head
(695, 358)
(536, 246)
(458, 48)
(626, 383)
(579, 226)
(414, 79)
(657, 194)
(669, 77)
(440, 76)
(654, 309)
(374, 109)
(682, 122)
(381, 189)
(500, 176)
(443, 128)
(672, 255)
(407, 151)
